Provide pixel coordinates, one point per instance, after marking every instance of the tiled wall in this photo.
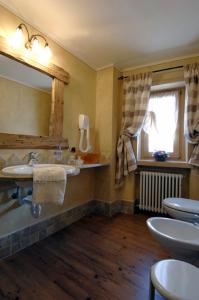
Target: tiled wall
(18, 157)
(14, 242)
(110, 209)
(17, 241)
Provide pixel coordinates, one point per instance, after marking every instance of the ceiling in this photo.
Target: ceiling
(124, 33)
(13, 70)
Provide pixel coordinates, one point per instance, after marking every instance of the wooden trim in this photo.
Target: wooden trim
(166, 164)
(18, 141)
(60, 77)
(56, 117)
(50, 69)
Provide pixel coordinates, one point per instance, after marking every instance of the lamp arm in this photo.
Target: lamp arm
(40, 36)
(30, 38)
(26, 29)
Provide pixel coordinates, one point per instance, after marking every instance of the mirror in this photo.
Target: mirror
(25, 99)
(34, 139)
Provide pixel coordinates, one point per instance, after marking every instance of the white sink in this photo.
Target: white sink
(28, 170)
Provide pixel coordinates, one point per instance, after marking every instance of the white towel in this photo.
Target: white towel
(49, 185)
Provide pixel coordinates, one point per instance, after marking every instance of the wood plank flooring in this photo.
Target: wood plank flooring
(96, 258)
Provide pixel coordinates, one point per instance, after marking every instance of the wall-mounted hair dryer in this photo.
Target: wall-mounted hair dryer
(84, 126)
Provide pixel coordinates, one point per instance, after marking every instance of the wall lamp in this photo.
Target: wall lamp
(35, 43)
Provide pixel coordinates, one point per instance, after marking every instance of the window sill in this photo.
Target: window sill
(166, 164)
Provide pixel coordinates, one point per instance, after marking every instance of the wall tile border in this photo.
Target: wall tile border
(21, 239)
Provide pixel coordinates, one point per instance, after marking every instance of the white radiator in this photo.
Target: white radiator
(156, 186)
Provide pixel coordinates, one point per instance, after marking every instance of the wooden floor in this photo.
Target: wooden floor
(96, 258)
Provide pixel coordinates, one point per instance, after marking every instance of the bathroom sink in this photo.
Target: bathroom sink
(28, 170)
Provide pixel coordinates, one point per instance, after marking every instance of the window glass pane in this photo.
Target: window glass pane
(164, 108)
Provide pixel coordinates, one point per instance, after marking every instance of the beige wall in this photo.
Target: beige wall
(80, 189)
(104, 131)
(79, 99)
(108, 121)
(24, 110)
(194, 184)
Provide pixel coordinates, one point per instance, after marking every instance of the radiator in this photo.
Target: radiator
(156, 186)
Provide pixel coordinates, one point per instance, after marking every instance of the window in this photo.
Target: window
(163, 127)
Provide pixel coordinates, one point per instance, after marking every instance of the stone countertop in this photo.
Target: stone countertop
(97, 165)
(29, 177)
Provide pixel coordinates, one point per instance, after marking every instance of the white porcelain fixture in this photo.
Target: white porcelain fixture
(182, 209)
(84, 126)
(28, 170)
(179, 237)
(175, 280)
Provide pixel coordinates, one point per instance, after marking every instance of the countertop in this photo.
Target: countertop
(88, 166)
(29, 177)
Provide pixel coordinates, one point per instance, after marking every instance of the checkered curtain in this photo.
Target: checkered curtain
(191, 75)
(136, 90)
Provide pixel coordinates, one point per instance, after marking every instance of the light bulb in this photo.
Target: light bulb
(47, 51)
(44, 54)
(35, 46)
(17, 39)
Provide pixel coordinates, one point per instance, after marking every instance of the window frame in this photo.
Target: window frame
(179, 142)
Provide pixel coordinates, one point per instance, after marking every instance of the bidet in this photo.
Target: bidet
(179, 237)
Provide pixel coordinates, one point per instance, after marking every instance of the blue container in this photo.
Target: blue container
(160, 155)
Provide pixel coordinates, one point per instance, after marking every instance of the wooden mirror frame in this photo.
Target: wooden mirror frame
(60, 78)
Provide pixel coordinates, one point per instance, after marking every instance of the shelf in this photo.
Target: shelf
(164, 164)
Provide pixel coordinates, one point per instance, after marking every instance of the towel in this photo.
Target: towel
(49, 185)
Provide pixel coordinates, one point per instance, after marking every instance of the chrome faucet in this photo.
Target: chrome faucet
(33, 158)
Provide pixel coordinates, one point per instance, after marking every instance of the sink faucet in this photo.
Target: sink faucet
(33, 158)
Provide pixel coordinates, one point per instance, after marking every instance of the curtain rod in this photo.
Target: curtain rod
(156, 71)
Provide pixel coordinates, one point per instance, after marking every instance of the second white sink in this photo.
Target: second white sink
(28, 170)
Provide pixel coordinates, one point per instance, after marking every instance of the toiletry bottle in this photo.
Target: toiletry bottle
(73, 156)
(58, 153)
(79, 161)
